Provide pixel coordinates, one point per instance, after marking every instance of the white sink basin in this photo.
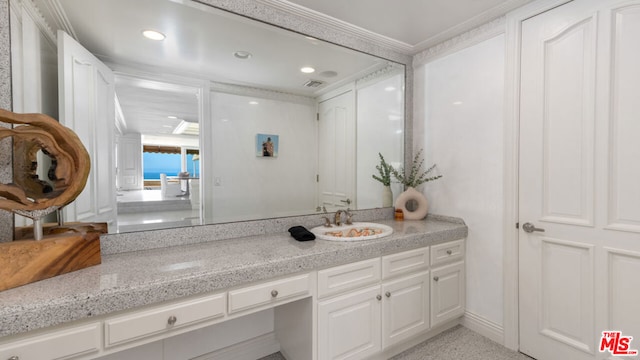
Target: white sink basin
(357, 231)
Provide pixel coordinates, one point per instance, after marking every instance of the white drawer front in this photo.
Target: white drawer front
(346, 277)
(142, 324)
(405, 262)
(447, 252)
(63, 344)
(272, 292)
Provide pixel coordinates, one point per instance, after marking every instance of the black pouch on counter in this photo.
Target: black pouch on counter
(300, 233)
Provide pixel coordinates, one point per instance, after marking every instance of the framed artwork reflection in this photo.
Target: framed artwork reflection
(267, 145)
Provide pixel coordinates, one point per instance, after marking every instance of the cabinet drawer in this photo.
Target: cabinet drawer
(447, 252)
(61, 344)
(346, 277)
(272, 292)
(405, 262)
(163, 319)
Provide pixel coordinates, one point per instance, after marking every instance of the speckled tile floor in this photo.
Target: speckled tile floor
(458, 343)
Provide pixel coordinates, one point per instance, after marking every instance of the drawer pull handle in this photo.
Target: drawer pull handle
(274, 293)
(172, 320)
(14, 358)
(379, 297)
(449, 252)
(387, 294)
(435, 278)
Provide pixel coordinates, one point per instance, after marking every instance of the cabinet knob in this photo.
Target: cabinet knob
(14, 358)
(449, 252)
(274, 293)
(379, 297)
(172, 320)
(436, 278)
(387, 294)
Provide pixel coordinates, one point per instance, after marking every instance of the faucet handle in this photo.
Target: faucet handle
(349, 220)
(327, 222)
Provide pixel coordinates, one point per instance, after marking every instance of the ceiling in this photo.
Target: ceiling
(409, 26)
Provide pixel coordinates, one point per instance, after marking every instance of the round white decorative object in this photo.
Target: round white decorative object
(412, 194)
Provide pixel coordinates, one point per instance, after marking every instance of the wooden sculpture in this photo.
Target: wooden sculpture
(34, 256)
(71, 163)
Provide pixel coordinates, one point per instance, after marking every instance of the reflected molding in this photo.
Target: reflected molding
(247, 8)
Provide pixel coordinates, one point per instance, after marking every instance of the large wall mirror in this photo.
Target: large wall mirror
(211, 118)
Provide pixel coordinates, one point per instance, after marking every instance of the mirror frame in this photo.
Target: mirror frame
(251, 9)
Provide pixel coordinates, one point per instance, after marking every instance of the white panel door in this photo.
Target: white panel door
(86, 90)
(349, 325)
(405, 308)
(337, 166)
(447, 293)
(130, 162)
(579, 174)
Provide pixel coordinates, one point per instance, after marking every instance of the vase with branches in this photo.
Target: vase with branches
(415, 177)
(416, 200)
(384, 176)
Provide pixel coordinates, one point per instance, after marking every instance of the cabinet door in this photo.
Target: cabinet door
(349, 325)
(447, 293)
(405, 308)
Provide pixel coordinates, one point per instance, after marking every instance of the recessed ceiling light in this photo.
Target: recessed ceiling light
(172, 117)
(307, 70)
(329, 73)
(167, 126)
(457, 103)
(153, 35)
(389, 88)
(253, 102)
(243, 55)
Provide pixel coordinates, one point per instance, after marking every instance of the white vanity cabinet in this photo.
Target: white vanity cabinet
(349, 325)
(365, 318)
(370, 309)
(70, 343)
(160, 321)
(447, 282)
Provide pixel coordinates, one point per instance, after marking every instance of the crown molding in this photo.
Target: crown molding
(469, 25)
(319, 18)
(261, 93)
(464, 40)
(386, 72)
(59, 17)
(35, 14)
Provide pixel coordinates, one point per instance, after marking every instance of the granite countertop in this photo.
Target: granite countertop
(128, 280)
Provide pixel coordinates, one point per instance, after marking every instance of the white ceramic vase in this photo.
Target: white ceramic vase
(420, 212)
(387, 196)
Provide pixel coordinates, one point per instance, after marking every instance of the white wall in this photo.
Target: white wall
(249, 186)
(459, 117)
(380, 129)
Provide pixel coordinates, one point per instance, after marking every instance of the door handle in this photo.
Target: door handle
(348, 201)
(529, 228)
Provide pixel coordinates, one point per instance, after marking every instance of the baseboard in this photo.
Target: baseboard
(255, 348)
(484, 327)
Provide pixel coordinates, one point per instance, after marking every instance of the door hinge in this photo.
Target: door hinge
(517, 225)
(318, 116)
(317, 178)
